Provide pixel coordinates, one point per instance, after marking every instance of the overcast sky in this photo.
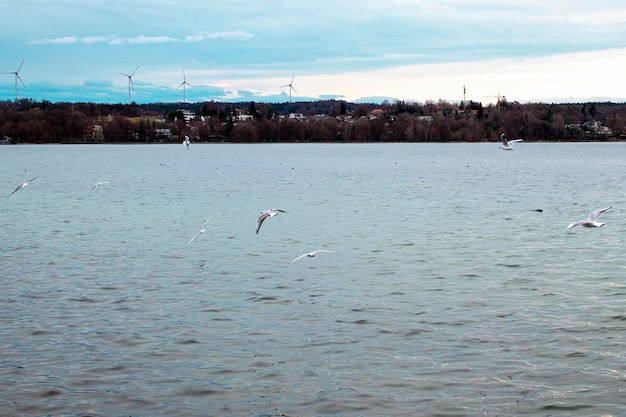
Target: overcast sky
(414, 50)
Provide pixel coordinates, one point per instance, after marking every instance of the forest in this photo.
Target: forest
(28, 121)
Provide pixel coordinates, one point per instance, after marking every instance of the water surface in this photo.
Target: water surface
(453, 287)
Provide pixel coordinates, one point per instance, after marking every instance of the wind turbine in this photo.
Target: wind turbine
(130, 82)
(184, 84)
(290, 85)
(17, 77)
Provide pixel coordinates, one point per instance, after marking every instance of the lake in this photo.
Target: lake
(452, 286)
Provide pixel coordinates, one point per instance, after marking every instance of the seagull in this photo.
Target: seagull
(202, 230)
(264, 215)
(22, 185)
(310, 254)
(98, 184)
(186, 141)
(507, 144)
(592, 220)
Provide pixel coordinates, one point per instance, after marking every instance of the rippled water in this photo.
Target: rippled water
(447, 291)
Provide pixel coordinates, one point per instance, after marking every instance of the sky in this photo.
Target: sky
(355, 50)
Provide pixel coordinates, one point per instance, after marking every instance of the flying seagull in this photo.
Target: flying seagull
(186, 141)
(98, 184)
(507, 145)
(22, 185)
(591, 221)
(202, 230)
(264, 215)
(310, 254)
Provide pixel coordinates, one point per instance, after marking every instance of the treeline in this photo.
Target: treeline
(30, 121)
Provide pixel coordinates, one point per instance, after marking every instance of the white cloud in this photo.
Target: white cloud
(63, 40)
(95, 39)
(233, 35)
(151, 39)
(198, 37)
(142, 39)
(110, 39)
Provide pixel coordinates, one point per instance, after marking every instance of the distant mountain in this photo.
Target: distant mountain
(375, 99)
(568, 100)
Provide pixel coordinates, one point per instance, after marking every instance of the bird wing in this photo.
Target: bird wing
(193, 238)
(516, 140)
(503, 140)
(321, 250)
(577, 223)
(301, 256)
(594, 215)
(31, 180)
(260, 221)
(19, 187)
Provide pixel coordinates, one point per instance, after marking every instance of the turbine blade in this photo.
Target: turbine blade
(18, 70)
(125, 75)
(134, 71)
(20, 78)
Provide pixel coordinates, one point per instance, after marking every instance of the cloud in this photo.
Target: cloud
(95, 39)
(233, 35)
(64, 40)
(110, 39)
(151, 39)
(142, 39)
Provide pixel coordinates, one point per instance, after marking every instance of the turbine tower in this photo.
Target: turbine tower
(130, 82)
(464, 100)
(184, 84)
(290, 85)
(17, 77)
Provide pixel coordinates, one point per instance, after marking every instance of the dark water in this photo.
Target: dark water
(447, 293)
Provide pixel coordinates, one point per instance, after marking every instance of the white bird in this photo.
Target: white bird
(98, 184)
(310, 254)
(202, 230)
(591, 221)
(22, 185)
(264, 215)
(186, 141)
(507, 144)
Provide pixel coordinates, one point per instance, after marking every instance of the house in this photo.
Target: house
(597, 127)
(188, 115)
(377, 114)
(163, 134)
(297, 116)
(243, 117)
